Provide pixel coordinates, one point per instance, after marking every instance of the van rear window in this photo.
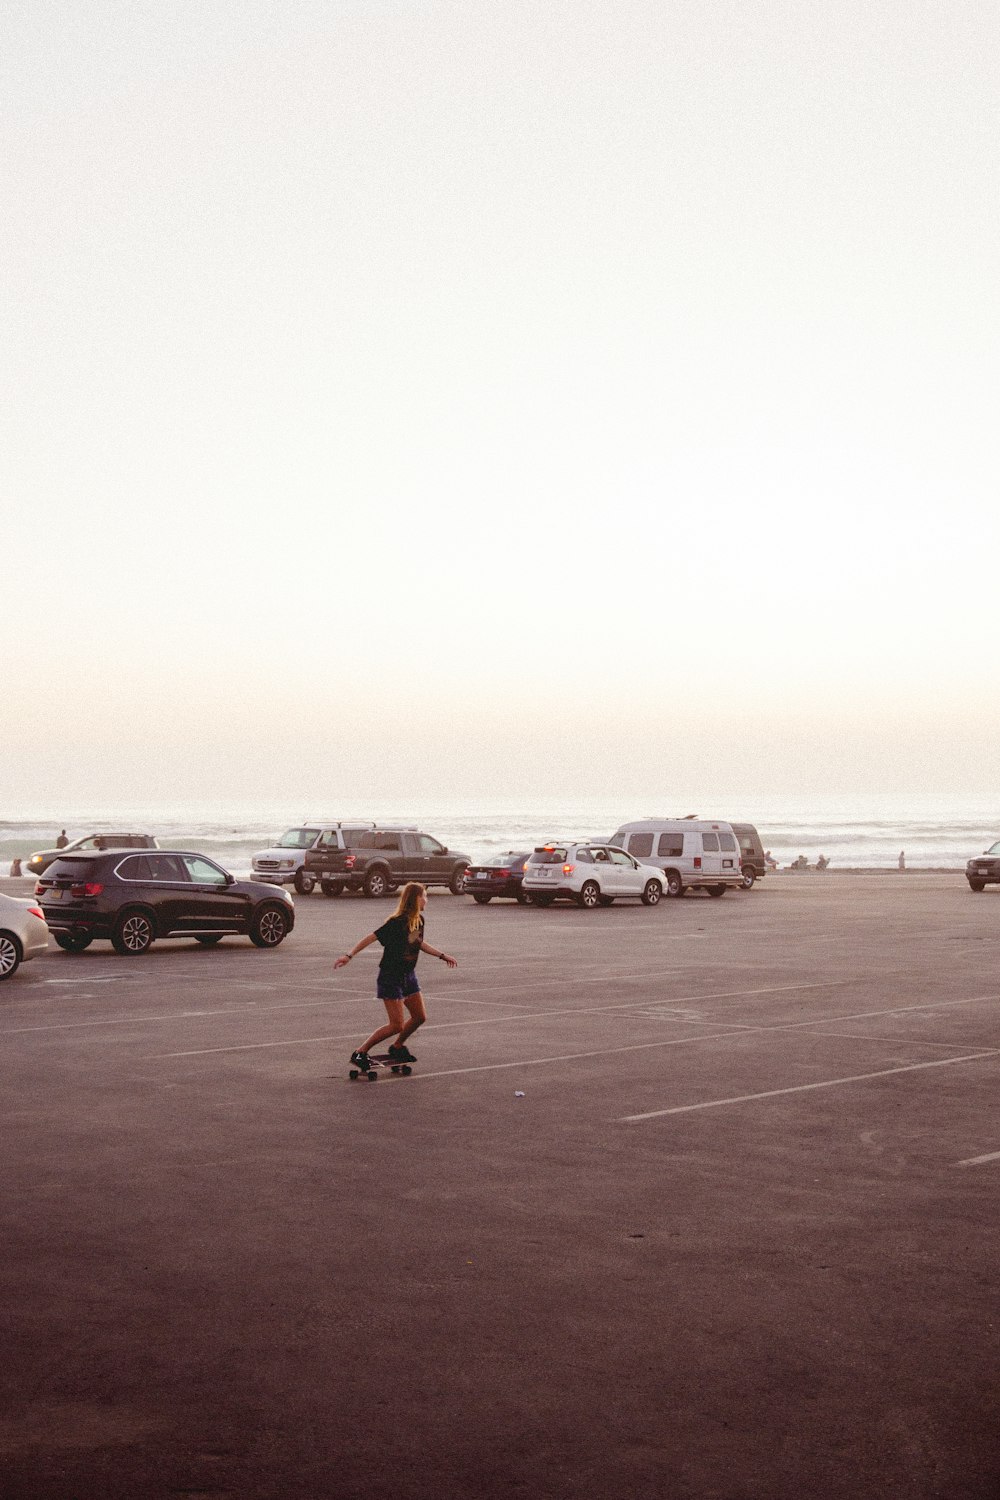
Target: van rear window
(548, 857)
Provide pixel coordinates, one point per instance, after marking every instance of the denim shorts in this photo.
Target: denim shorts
(389, 988)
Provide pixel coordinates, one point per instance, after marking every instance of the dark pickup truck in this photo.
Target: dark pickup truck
(380, 859)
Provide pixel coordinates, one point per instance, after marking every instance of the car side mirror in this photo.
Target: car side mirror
(230, 879)
(445, 849)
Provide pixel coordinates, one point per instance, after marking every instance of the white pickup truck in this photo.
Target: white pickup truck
(284, 863)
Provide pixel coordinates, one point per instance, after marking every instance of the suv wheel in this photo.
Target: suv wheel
(590, 894)
(716, 890)
(652, 891)
(977, 885)
(10, 954)
(457, 882)
(747, 879)
(332, 887)
(269, 927)
(376, 882)
(133, 934)
(305, 882)
(73, 942)
(675, 885)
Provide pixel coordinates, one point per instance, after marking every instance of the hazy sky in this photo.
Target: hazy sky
(515, 397)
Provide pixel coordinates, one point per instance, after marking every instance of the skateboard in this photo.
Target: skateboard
(378, 1060)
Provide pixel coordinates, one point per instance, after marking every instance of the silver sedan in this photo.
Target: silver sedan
(23, 933)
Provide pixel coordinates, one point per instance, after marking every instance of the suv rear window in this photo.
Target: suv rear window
(548, 857)
(71, 869)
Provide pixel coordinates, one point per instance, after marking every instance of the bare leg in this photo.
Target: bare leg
(394, 1010)
(418, 1015)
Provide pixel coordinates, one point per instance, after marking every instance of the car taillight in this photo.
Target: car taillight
(91, 888)
(568, 869)
(349, 862)
(39, 889)
(36, 911)
(697, 861)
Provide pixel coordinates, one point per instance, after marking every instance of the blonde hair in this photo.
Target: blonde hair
(408, 907)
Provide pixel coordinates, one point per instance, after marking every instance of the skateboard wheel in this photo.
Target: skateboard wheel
(353, 1073)
(406, 1070)
(372, 1076)
(395, 1068)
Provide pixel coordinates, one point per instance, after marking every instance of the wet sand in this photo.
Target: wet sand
(737, 1239)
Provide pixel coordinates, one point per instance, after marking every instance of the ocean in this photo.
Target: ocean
(867, 833)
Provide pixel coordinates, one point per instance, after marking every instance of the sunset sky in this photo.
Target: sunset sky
(508, 399)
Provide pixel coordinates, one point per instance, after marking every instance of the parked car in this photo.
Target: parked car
(984, 870)
(501, 875)
(39, 862)
(23, 934)
(688, 851)
(134, 899)
(590, 874)
(383, 858)
(753, 865)
(284, 862)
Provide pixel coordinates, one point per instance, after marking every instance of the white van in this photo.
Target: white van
(689, 851)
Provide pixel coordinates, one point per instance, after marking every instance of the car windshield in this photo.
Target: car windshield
(994, 849)
(548, 856)
(297, 838)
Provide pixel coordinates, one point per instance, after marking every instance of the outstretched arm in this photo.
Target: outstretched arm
(345, 958)
(437, 953)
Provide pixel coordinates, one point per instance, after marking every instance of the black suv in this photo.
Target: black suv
(753, 865)
(135, 898)
(984, 870)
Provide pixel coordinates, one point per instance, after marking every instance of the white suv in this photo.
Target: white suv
(589, 874)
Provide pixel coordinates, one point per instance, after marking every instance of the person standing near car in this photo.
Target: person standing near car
(402, 939)
(62, 840)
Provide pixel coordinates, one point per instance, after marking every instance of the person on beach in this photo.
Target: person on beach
(402, 939)
(902, 859)
(62, 840)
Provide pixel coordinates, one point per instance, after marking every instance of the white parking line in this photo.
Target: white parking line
(90, 979)
(805, 1088)
(979, 1161)
(536, 1015)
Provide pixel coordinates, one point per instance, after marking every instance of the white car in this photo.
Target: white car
(23, 934)
(590, 874)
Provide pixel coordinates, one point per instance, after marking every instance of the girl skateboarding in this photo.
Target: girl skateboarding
(402, 939)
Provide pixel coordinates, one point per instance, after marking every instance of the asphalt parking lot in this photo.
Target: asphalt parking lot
(737, 1239)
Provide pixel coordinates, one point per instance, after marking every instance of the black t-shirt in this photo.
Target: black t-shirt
(401, 951)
